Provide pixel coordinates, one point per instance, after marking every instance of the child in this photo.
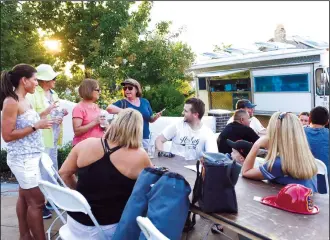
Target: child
(304, 118)
(240, 149)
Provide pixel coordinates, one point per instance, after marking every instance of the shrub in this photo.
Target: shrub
(165, 96)
(63, 152)
(3, 161)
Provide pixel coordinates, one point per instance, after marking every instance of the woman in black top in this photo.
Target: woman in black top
(107, 170)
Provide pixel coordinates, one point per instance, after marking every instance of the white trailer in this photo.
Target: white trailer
(294, 80)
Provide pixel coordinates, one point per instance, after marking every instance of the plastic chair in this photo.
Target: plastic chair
(149, 230)
(322, 170)
(47, 163)
(69, 200)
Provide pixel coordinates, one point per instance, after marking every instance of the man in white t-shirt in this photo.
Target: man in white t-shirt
(255, 124)
(189, 137)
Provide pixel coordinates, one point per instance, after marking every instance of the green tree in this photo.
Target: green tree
(20, 42)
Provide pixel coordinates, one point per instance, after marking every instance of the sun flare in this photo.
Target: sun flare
(53, 45)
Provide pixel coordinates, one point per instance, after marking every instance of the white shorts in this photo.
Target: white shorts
(80, 231)
(26, 169)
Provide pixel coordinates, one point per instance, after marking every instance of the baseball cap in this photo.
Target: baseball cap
(45, 72)
(294, 198)
(244, 103)
(242, 146)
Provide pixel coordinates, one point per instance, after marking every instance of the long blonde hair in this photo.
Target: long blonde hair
(126, 129)
(287, 140)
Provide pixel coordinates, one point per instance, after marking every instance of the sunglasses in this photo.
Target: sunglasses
(129, 88)
(282, 115)
(97, 90)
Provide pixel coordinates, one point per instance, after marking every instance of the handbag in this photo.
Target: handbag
(214, 188)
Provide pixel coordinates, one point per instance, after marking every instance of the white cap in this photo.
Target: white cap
(45, 72)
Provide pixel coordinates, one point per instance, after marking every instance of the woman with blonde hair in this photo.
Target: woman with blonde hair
(289, 159)
(107, 170)
(86, 114)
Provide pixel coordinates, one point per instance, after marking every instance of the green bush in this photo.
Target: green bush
(165, 96)
(3, 161)
(63, 152)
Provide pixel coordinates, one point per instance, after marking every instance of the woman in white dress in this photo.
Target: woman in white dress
(21, 130)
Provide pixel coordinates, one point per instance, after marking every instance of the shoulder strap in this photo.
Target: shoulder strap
(123, 103)
(102, 142)
(108, 151)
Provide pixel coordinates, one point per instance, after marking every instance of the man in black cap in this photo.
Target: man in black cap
(255, 124)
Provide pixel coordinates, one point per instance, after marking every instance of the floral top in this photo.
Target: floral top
(31, 143)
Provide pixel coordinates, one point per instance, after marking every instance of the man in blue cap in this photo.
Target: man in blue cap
(255, 124)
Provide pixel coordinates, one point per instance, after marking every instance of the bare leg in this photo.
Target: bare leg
(21, 211)
(35, 201)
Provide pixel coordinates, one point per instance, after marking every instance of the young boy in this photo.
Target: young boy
(318, 140)
(240, 149)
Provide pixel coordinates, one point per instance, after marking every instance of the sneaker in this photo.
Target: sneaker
(46, 214)
(49, 207)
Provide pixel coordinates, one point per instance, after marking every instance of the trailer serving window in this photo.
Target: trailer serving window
(282, 83)
(322, 88)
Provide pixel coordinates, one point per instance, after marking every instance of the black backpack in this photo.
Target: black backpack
(214, 188)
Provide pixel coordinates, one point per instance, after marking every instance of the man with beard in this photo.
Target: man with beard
(189, 137)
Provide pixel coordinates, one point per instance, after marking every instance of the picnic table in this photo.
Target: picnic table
(254, 219)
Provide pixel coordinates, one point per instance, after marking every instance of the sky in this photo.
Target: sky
(208, 23)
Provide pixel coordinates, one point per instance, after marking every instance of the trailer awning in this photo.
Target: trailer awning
(220, 73)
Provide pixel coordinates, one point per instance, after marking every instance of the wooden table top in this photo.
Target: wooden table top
(259, 219)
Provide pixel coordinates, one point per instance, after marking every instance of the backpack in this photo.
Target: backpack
(214, 188)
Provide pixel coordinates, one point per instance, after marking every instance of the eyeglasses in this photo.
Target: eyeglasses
(97, 90)
(129, 88)
(282, 115)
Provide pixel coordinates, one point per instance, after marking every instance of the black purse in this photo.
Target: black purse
(216, 183)
(214, 188)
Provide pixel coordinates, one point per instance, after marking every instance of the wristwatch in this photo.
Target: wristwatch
(33, 127)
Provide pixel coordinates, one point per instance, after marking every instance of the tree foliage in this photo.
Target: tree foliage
(19, 38)
(112, 43)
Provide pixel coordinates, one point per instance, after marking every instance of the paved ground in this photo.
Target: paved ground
(9, 224)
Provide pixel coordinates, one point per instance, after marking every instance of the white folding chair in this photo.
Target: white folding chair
(149, 230)
(322, 170)
(47, 163)
(69, 200)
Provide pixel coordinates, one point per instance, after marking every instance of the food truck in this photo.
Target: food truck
(283, 79)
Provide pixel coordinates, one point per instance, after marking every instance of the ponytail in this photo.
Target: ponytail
(10, 80)
(6, 87)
